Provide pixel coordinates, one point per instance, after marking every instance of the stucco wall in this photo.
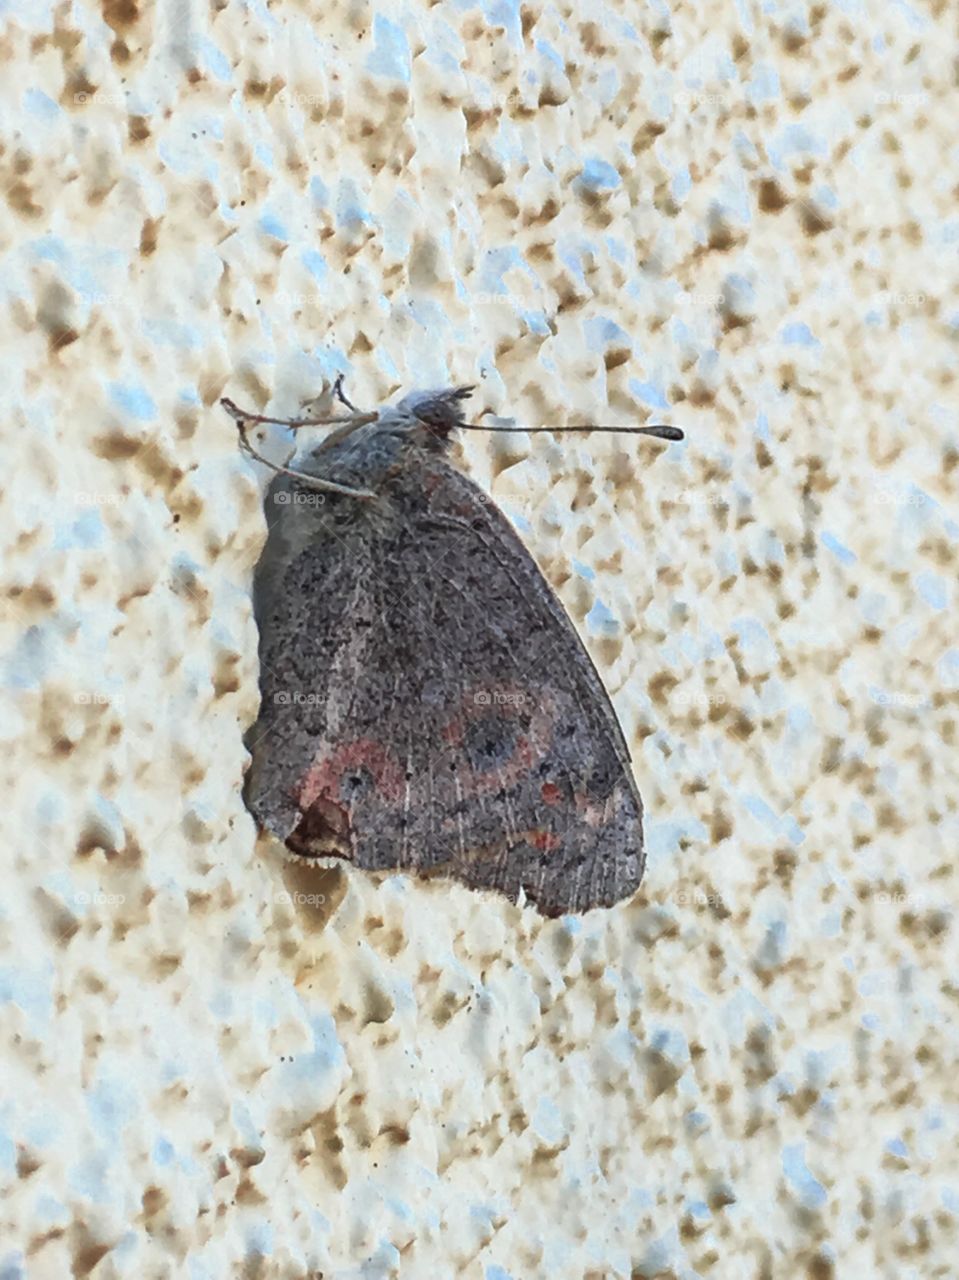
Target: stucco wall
(739, 218)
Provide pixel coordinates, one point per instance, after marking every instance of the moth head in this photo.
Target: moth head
(430, 416)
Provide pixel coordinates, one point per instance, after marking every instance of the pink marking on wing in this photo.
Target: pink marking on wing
(545, 841)
(324, 776)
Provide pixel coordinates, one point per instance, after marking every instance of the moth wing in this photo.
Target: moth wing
(459, 727)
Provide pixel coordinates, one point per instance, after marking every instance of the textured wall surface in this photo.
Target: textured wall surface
(740, 218)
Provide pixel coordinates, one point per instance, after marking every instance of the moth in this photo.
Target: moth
(426, 704)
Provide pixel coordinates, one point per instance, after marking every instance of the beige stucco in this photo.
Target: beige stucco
(750, 1069)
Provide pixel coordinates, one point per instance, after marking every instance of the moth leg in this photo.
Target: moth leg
(243, 420)
(341, 394)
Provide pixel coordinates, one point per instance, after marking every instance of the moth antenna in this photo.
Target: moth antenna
(660, 432)
(322, 420)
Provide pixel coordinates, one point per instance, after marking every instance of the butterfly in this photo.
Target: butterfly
(426, 704)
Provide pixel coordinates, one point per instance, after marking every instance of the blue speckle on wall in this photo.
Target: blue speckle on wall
(111, 1104)
(794, 140)
(696, 1122)
(85, 532)
(622, 1046)
(681, 184)
(544, 47)
(133, 400)
(536, 322)
(327, 1054)
(570, 257)
(8, 1153)
(601, 332)
(762, 812)
(272, 226)
(670, 1043)
(315, 263)
(842, 553)
(799, 335)
(516, 518)
(811, 1191)
(495, 263)
(599, 619)
(26, 667)
(830, 925)
(49, 1209)
(664, 838)
(391, 51)
(932, 589)
(89, 1177)
(49, 249)
(764, 85)
(163, 1153)
(495, 1272)
(12, 1265)
(505, 14)
(36, 103)
(548, 1121)
(792, 830)
(167, 332)
(649, 393)
(597, 175)
(259, 1240)
(213, 58)
(384, 1262)
(350, 210)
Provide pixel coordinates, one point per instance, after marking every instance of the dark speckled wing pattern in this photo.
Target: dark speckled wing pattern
(426, 702)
